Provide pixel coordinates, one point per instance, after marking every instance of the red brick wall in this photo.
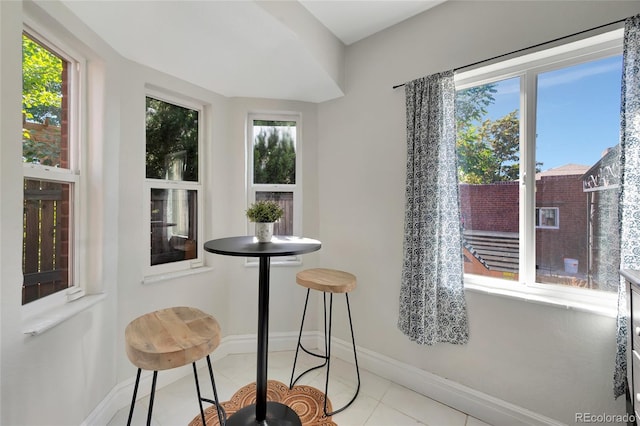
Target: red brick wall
(494, 207)
(491, 207)
(570, 240)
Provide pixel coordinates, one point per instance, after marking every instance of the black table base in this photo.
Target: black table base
(263, 412)
(277, 414)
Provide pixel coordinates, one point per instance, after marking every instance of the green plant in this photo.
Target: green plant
(264, 211)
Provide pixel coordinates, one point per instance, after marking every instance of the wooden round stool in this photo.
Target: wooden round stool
(328, 281)
(171, 338)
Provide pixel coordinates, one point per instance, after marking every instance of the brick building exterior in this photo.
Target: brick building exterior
(494, 208)
(490, 207)
(569, 240)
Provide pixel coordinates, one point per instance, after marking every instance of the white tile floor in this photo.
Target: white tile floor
(379, 403)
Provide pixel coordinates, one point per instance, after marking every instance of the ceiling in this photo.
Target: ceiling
(280, 50)
(353, 20)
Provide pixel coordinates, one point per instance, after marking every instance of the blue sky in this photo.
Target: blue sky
(578, 114)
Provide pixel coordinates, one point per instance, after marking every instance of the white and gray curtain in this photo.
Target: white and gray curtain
(629, 210)
(432, 303)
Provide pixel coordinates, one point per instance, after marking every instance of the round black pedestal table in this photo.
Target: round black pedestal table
(263, 413)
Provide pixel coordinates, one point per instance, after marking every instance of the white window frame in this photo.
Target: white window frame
(77, 130)
(296, 188)
(540, 216)
(152, 272)
(527, 67)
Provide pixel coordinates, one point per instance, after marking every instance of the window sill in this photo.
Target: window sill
(601, 303)
(42, 322)
(177, 274)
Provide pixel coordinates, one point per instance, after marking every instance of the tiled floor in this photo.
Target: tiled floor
(380, 402)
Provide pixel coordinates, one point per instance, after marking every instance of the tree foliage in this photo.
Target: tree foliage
(489, 150)
(274, 156)
(472, 103)
(490, 153)
(42, 74)
(171, 139)
(41, 83)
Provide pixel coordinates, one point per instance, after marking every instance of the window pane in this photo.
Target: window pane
(46, 233)
(578, 125)
(44, 105)
(488, 148)
(172, 141)
(173, 225)
(547, 217)
(284, 226)
(274, 152)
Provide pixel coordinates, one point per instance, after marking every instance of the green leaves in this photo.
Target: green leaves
(264, 211)
(488, 151)
(42, 94)
(472, 103)
(274, 155)
(41, 83)
(171, 141)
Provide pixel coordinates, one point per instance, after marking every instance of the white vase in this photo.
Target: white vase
(264, 231)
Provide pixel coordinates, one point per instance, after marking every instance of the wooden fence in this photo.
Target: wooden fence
(46, 238)
(285, 225)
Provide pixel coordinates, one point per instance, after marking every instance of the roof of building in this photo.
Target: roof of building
(566, 170)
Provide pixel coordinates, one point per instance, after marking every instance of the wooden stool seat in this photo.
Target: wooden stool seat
(326, 280)
(171, 338)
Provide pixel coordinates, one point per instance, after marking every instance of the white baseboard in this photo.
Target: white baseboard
(476, 404)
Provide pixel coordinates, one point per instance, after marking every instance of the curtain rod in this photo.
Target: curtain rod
(530, 47)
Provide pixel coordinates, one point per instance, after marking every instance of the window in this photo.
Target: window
(274, 167)
(52, 174)
(547, 217)
(536, 135)
(174, 188)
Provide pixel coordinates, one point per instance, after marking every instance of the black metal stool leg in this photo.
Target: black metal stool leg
(295, 359)
(133, 400)
(328, 319)
(327, 343)
(222, 415)
(152, 396)
(195, 377)
(301, 346)
(327, 335)
(353, 343)
(355, 358)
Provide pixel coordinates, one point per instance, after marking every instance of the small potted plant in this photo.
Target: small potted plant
(264, 214)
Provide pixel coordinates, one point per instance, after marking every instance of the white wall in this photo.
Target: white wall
(62, 375)
(67, 371)
(547, 359)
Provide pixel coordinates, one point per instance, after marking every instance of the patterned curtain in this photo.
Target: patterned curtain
(432, 303)
(630, 183)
